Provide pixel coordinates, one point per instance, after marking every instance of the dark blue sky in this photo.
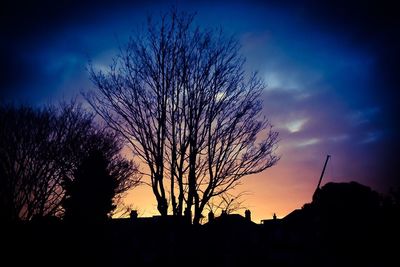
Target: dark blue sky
(331, 71)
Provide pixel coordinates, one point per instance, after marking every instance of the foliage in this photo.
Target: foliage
(89, 196)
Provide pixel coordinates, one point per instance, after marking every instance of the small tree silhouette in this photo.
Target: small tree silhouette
(90, 195)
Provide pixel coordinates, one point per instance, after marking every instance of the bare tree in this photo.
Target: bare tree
(180, 96)
(41, 148)
(21, 160)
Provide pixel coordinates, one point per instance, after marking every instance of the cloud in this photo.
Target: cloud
(308, 142)
(370, 137)
(296, 125)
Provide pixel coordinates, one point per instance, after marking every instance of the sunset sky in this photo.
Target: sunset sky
(331, 72)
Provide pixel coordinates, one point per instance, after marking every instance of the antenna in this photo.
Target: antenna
(316, 193)
(323, 171)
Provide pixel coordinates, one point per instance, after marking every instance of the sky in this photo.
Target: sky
(331, 71)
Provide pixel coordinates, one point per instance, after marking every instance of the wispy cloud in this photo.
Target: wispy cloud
(296, 125)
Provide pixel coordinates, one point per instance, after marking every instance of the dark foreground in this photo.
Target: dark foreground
(345, 225)
(229, 241)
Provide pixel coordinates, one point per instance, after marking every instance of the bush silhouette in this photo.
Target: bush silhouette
(89, 197)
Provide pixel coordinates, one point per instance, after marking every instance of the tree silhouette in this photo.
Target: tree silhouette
(28, 162)
(337, 201)
(42, 147)
(180, 96)
(89, 196)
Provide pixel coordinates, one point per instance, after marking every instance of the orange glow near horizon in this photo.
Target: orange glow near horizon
(292, 181)
(280, 190)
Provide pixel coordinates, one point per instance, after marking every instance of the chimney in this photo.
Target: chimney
(247, 215)
(133, 215)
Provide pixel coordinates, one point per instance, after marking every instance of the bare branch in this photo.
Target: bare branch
(180, 96)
